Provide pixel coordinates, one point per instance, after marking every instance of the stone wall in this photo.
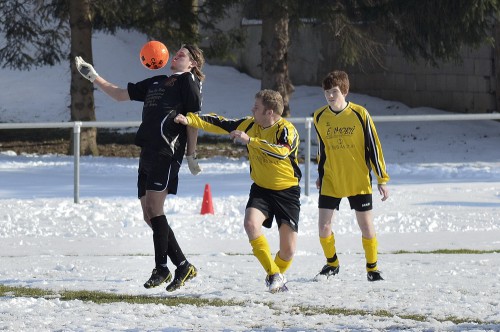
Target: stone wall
(468, 87)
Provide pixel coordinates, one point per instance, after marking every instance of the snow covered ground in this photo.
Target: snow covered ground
(445, 194)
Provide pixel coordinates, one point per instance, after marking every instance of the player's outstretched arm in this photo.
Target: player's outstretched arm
(85, 69)
(88, 71)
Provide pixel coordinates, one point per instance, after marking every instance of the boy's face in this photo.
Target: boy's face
(182, 62)
(335, 98)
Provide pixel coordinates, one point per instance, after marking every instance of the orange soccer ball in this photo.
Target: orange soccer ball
(154, 55)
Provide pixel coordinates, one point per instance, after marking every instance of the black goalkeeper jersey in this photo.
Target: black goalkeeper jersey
(164, 97)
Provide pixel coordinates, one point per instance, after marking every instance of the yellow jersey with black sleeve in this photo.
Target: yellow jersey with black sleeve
(348, 150)
(272, 151)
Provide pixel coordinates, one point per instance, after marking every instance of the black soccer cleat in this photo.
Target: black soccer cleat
(326, 272)
(374, 276)
(158, 277)
(183, 273)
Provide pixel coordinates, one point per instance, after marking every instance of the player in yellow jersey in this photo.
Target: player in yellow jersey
(348, 151)
(272, 143)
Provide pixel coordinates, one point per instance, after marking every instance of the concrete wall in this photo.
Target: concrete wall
(468, 87)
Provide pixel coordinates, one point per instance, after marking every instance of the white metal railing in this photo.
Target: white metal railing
(77, 125)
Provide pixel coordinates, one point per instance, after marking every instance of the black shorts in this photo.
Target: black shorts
(282, 204)
(157, 172)
(359, 202)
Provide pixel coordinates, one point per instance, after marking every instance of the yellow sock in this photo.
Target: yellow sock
(283, 265)
(370, 247)
(261, 250)
(328, 245)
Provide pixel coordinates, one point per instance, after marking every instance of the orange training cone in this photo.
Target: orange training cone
(207, 206)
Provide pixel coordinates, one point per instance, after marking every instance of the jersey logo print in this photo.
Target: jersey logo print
(170, 81)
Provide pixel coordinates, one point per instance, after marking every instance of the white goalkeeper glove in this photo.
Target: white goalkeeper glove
(194, 168)
(85, 69)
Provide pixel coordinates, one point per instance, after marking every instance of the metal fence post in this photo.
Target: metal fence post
(76, 162)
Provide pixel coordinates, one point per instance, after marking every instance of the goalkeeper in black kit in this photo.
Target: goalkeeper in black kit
(163, 145)
(272, 143)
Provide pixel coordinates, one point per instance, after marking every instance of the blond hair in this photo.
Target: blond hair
(271, 100)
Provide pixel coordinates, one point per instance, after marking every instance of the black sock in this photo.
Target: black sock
(174, 250)
(161, 231)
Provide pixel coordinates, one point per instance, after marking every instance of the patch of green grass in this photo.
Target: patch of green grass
(102, 298)
(385, 313)
(449, 251)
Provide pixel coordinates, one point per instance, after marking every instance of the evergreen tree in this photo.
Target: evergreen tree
(36, 34)
(35, 31)
(425, 29)
(274, 50)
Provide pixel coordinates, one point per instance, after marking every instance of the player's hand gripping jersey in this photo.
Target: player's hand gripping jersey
(348, 149)
(272, 151)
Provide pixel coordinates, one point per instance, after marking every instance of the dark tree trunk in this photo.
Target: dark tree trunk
(82, 91)
(274, 48)
(190, 26)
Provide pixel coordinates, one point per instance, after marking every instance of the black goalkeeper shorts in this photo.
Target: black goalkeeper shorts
(157, 172)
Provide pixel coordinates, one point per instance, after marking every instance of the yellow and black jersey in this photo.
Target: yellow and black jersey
(272, 151)
(348, 149)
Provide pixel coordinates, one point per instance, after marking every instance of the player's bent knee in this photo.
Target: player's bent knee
(287, 254)
(252, 229)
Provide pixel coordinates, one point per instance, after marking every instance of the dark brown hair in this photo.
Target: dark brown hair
(196, 54)
(336, 78)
